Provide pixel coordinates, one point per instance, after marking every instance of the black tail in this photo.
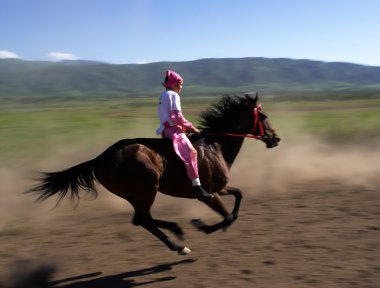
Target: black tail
(78, 177)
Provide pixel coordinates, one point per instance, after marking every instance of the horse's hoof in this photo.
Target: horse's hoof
(184, 251)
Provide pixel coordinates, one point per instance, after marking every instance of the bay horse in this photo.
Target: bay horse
(136, 169)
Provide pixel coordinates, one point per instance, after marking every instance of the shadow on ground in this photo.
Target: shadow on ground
(122, 280)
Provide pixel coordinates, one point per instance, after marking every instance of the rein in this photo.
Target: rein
(257, 122)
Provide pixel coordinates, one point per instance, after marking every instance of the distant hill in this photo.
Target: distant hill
(20, 78)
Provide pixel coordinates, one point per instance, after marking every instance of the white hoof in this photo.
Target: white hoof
(184, 251)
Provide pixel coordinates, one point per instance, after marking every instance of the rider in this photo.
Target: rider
(173, 126)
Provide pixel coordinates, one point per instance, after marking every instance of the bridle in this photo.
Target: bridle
(257, 123)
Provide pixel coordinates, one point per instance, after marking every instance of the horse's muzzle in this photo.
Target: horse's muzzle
(271, 141)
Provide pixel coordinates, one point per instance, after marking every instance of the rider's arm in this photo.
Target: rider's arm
(175, 113)
(177, 118)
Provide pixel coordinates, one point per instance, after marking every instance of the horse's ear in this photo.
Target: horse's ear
(252, 98)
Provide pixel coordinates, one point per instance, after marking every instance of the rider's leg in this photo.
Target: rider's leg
(187, 153)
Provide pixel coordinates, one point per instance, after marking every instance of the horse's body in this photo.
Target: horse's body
(136, 169)
(151, 164)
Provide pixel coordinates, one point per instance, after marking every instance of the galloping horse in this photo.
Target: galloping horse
(136, 169)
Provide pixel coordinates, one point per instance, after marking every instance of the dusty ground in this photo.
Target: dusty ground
(310, 218)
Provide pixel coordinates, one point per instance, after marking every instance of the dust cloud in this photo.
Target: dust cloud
(301, 160)
(256, 170)
(29, 273)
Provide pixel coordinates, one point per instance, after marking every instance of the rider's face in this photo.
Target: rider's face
(177, 88)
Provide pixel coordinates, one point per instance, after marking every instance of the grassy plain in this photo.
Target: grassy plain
(29, 131)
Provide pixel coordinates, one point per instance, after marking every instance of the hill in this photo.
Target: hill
(20, 78)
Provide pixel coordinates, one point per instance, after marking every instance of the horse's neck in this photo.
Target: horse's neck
(230, 147)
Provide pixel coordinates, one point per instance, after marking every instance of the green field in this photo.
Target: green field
(30, 131)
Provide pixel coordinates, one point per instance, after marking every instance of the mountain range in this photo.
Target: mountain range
(204, 77)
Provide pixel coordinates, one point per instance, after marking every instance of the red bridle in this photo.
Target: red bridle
(257, 122)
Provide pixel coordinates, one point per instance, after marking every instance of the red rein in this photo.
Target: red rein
(249, 135)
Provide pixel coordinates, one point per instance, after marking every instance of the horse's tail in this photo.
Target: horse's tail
(59, 183)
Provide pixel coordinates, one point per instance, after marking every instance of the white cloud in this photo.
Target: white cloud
(143, 62)
(62, 56)
(8, 54)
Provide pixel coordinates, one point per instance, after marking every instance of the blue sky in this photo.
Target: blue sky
(141, 31)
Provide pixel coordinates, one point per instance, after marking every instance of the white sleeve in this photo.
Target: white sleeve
(175, 102)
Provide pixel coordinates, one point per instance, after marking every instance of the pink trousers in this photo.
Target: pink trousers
(184, 149)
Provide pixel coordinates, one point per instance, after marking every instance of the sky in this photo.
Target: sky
(144, 31)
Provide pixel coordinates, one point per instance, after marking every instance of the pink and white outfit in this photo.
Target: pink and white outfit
(173, 126)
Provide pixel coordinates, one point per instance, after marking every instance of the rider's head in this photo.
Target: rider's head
(173, 81)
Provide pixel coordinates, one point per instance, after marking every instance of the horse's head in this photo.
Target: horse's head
(239, 116)
(260, 127)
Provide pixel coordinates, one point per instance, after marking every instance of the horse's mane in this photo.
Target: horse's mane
(218, 116)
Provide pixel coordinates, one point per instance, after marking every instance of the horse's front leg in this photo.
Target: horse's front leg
(236, 192)
(218, 205)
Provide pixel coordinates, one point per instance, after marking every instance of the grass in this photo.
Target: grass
(33, 130)
(333, 121)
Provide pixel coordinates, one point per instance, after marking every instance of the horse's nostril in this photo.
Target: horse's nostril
(272, 142)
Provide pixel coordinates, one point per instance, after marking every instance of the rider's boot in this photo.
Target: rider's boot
(201, 193)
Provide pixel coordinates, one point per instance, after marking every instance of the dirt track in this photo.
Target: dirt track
(308, 219)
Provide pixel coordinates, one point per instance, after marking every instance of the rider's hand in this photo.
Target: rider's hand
(194, 130)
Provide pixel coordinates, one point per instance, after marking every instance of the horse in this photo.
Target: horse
(136, 169)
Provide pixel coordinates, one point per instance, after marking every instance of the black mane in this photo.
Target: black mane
(216, 118)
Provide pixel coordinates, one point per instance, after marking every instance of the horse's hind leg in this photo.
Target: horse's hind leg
(136, 179)
(142, 202)
(150, 224)
(171, 226)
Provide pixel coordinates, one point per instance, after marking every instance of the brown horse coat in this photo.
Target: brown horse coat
(136, 169)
